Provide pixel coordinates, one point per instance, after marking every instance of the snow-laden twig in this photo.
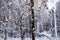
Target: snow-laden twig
(46, 34)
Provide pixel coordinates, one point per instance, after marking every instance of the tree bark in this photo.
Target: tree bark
(5, 35)
(55, 25)
(32, 12)
(22, 32)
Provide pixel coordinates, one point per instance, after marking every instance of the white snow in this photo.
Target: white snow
(26, 39)
(36, 38)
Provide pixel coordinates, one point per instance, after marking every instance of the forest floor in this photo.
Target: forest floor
(42, 38)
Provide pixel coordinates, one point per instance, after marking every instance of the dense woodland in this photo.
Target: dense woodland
(32, 19)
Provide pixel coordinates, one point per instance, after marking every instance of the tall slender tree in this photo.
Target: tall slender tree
(5, 27)
(55, 25)
(32, 12)
(22, 33)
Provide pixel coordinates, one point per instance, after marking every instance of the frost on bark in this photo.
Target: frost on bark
(55, 25)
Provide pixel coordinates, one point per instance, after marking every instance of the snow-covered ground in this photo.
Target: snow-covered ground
(15, 39)
(42, 38)
(24, 39)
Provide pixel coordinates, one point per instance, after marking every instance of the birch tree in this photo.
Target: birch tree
(55, 25)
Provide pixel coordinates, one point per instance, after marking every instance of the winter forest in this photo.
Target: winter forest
(29, 20)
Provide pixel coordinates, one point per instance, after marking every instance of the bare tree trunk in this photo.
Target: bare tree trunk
(21, 27)
(32, 12)
(5, 20)
(55, 25)
(22, 33)
(5, 38)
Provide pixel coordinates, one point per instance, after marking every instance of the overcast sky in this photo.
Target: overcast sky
(52, 1)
